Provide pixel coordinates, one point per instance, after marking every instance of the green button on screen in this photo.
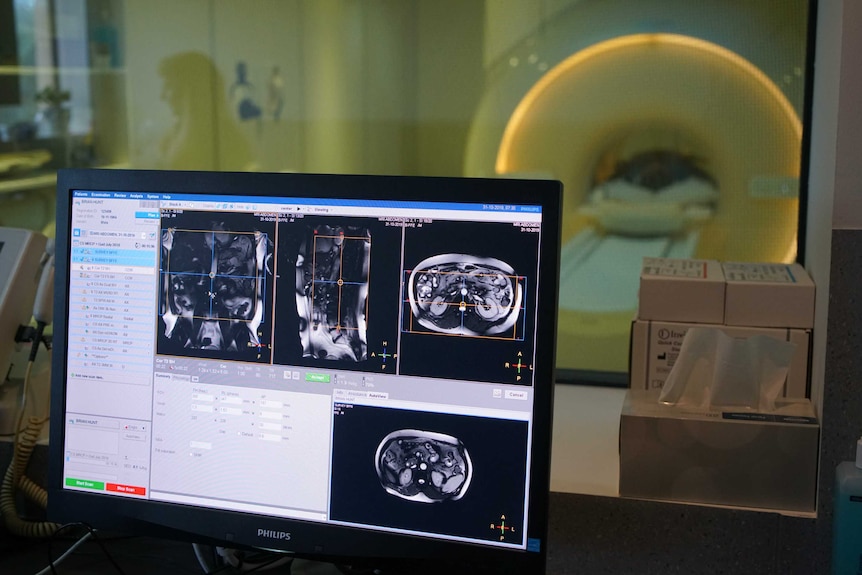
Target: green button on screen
(85, 483)
(317, 377)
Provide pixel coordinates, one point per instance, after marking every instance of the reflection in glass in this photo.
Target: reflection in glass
(673, 125)
(194, 90)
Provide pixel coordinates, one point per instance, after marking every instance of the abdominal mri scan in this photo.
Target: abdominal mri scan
(215, 276)
(423, 466)
(332, 271)
(464, 295)
(675, 128)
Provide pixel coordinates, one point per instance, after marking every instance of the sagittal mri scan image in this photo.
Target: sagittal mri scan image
(213, 285)
(423, 466)
(464, 295)
(332, 270)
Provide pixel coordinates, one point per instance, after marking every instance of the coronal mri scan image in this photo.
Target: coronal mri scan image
(423, 466)
(213, 285)
(464, 295)
(332, 270)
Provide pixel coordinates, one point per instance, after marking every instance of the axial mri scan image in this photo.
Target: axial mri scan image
(423, 466)
(332, 270)
(213, 284)
(465, 295)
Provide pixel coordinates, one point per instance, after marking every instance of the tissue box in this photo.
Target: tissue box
(681, 290)
(655, 346)
(768, 295)
(741, 459)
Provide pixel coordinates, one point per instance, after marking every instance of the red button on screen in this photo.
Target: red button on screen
(129, 489)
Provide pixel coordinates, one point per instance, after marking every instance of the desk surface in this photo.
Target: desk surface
(587, 534)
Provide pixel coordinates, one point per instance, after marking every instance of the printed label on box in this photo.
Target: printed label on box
(676, 268)
(771, 273)
(665, 344)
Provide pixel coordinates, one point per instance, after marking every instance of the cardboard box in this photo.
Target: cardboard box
(768, 295)
(655, 346)
(742, 459)
(681, 290)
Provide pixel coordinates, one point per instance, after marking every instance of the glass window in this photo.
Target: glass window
(675, 126)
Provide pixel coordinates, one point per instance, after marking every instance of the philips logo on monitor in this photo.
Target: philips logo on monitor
(273, 534)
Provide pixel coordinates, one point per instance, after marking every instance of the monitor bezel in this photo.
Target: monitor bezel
(310, 539)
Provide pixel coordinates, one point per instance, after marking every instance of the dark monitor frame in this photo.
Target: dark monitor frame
(345, 544)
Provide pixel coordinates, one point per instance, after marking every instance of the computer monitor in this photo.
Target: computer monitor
(336, 366)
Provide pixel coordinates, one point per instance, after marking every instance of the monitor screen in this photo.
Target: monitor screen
(341, 366)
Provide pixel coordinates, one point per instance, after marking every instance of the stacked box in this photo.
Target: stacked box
(768, 295)
(740, 459)
(742, 299)
(655, 346)
(681, 290)
(719, 456)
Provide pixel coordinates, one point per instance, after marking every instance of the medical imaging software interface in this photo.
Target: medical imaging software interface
(356, 362)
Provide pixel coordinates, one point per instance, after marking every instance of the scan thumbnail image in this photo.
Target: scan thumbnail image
(464, 294)
(332, 274)
(215, 278)
(423, 466)
(433, 472)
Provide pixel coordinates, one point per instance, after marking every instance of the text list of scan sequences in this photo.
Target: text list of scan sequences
(111, 327)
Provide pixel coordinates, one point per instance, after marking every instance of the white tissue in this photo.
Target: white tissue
(716, 370)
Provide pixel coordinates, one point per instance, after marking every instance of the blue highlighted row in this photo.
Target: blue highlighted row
(113, 256)
(116, 252)
(108, 260)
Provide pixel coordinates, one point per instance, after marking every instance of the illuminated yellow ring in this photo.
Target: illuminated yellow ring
(701, 97)
(645, 91)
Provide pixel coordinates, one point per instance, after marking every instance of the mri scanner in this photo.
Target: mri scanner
(675, 129)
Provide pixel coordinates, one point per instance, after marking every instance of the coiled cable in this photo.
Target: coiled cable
(15, 479)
